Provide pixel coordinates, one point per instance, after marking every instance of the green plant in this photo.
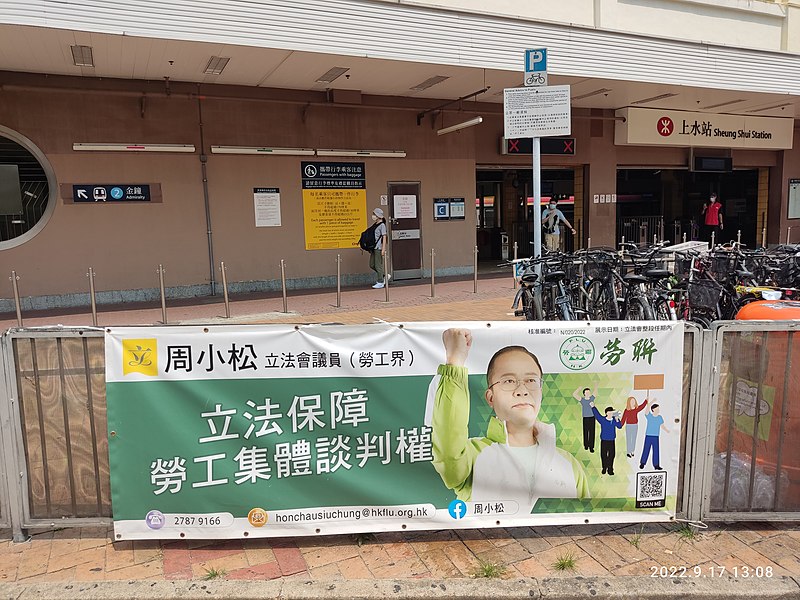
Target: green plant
(636, 538)
(489, 570)
(686, 533)
(565, 562)
(363, 538)
(213, 573)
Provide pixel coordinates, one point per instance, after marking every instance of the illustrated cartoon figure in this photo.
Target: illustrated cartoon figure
(517, 460)
(630, 419)
(585, 398)
(608, 435)
(655, 423)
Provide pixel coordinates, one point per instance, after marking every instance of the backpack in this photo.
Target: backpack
(367, 240)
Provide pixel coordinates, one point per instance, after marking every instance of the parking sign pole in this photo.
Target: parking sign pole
(537, 201)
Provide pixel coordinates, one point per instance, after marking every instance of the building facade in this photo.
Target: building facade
(133, 136)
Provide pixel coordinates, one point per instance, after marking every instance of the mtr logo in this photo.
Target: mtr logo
(665, 126)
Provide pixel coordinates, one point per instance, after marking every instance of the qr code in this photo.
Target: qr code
(651, 490)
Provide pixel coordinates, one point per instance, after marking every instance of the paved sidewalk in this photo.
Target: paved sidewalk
(744, 551)
(407, 300)
(617, 554)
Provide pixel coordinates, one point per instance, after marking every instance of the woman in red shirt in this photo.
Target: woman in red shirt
(630, 419)
(712, 213)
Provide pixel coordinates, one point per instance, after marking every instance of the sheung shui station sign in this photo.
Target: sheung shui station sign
(654, 127)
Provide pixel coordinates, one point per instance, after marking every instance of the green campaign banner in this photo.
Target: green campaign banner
(283, 430)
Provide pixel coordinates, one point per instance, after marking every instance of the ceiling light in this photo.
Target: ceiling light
(430, 82)
(654, 98)
(459, 126)
(771, 107)
(262, 150)
(17, 221)
(135, 147)
(82, 56)
(729, 102)
(332, 74)
(372, 153)
(216, 65)
(594, 93)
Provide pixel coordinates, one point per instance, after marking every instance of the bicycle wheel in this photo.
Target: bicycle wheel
(663, 311)
(527, 305)
(548, 309)
(639, 309)
(602, 302)
(565, 310)
(701, 320)
(538, 309)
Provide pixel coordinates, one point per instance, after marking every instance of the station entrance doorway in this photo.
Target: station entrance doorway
(668, 204)
(504, 208)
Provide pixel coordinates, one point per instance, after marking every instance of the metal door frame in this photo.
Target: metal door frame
(389, 195)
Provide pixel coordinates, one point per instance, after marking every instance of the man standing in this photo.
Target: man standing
(551, 218)
(608, 436)
(655, 423)
(585, 397)
(713, 218)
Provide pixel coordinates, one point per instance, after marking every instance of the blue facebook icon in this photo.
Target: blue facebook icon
(457, 509)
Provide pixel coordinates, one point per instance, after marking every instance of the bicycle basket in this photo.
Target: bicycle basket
(723, 264)
(597, 268)
(682, 265)
(704, 294)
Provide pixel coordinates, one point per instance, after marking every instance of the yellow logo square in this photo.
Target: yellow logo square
(140, 356)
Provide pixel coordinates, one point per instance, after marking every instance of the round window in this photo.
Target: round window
(27, 189)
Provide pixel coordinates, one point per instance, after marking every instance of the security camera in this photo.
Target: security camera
(171, 62)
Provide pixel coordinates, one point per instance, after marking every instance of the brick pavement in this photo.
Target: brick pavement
(88, 554)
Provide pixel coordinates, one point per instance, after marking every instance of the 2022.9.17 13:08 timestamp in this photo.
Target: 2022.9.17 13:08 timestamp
(698, 571)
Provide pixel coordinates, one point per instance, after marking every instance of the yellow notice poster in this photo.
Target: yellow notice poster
(334, 218)
(334, 204)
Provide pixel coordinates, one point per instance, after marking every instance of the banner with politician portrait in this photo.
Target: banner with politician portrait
(283, 430)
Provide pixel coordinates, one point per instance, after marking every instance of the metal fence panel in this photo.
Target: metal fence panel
(752, 455)
(5, 440)
(739, 424)
(60, 425)
(692, 357)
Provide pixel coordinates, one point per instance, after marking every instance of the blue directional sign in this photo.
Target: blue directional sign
(536, 60)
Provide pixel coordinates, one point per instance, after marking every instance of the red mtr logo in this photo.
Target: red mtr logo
(665, 126)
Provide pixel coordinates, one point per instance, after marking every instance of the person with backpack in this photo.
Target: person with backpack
(551, 218)
(373, 240)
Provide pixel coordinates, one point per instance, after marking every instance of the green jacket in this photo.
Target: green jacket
(483, 469)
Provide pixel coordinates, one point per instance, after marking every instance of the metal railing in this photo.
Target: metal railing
(738, 425)
(752, 421)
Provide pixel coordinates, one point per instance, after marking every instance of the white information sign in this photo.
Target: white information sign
(536, 111)
(267, 206)
(405, 207)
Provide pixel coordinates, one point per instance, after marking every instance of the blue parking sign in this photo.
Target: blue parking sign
(536, 60)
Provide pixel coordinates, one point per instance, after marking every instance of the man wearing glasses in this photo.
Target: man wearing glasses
(517, 460)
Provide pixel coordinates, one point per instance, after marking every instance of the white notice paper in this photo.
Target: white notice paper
(405, 207)
(267, 206)
(536, 111)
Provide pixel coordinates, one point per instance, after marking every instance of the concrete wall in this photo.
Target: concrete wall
(125, 243)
